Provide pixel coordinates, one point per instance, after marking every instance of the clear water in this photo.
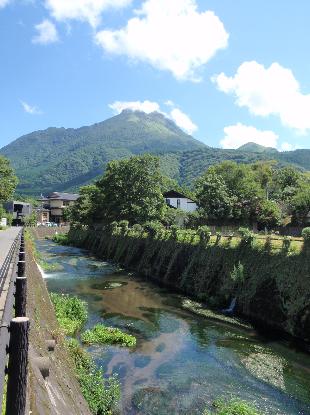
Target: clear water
(182, 362)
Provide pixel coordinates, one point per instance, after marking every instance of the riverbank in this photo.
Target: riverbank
(59, 393)
(272, 289)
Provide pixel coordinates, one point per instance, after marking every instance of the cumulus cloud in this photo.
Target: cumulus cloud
(287, 147)
(239, 134)
(4, 3)
(46, 33)
(145, 106)
(181, 119)
(169, 35)
(33, 110)
(85, 10)
(268, 91)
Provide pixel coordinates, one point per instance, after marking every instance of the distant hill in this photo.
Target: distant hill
(257, 148)
(59, 159)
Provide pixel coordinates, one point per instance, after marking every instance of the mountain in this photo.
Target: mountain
(257, 148)
(59, 159)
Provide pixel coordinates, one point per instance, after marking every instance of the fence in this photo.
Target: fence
(14, 331)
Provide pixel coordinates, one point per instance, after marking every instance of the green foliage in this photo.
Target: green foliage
(153, 229)
(8, 180)
(130, 190)
(301, 203)
(237, 274)
(30, 220)
(234, 407)
(204, 235)
(100, 334)
(247, 236)
(287, 240)
(269, 214)
(61, 239)
(306, 234)
(71, 312)
(101, 395)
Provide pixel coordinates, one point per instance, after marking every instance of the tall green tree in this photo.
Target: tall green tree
(131, 190)
(8, 180)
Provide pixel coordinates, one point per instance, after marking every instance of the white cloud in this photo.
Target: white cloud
(33, 110)
(85, 10)
(287, 147)
(145, 106)
(181, 119)
(4, 3)
(239, 134)
(169, 35)
(268, 91)
(47, 33)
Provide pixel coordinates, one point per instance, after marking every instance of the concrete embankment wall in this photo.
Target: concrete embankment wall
(59, 393)
(274, 291)
(43, 231)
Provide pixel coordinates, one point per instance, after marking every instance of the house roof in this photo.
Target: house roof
(174, 193)
(62, 196)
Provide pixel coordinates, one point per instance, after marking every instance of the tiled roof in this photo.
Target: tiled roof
(63, 196)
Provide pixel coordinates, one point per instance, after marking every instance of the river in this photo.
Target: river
(182, 361)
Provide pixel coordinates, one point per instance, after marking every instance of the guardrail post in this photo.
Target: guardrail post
(17, 367)
(20, 297)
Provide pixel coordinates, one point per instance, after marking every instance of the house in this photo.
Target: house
(56, 203)
(43, 215)
(19, 210)
(180, 201)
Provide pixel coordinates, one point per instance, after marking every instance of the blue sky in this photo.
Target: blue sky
(227, 72)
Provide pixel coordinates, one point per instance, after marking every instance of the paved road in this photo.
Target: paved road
(6, 239)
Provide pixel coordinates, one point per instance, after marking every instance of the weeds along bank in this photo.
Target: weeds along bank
(272, 288)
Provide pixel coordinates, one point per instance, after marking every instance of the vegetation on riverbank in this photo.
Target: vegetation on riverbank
(60, 238)
(234, 407)
(271, 286)
(46, 266)
(101, 394)
(71, 312)
(100, 334)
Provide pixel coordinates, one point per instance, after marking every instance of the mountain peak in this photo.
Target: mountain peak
(257, 148)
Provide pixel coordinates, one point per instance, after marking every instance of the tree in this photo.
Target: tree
(82, 211)
(213, 197)
(8, 180)
(300, 204)
(269, 214)
(131, 190)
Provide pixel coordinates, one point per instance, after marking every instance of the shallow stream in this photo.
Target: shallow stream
(182, 361)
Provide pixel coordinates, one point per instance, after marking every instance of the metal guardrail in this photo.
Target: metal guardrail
(14, 331)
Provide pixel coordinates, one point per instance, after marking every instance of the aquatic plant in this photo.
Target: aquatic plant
(71, 312)
(234, 407)
(101, 334)
(101, 394)
(61, 239)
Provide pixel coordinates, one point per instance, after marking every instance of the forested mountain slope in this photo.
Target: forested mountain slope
(59, 159)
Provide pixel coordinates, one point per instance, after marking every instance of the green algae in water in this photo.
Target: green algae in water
(108, 285)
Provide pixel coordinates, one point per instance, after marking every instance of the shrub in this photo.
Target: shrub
(61, 239)
(153, 228)
(71, 312)
(204, 234)
(234, 407)
(247, 236)
(123, 226)
(137, 229)
(218, 238)
(237, 274)
(100, 334)
(174, 232)
(287, 240)
(306, 234)
(113, 227)
(101, 395)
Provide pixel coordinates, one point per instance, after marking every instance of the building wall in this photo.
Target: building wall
(184, 204)
(56, 204)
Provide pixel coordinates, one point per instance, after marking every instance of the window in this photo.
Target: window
(178, 203)
(168, 201)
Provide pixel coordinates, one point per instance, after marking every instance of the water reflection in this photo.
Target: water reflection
(182, 362)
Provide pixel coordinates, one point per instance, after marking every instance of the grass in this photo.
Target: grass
(234, 407)
(71, 312)
(100, 334)
(60, 238)
(101, 394)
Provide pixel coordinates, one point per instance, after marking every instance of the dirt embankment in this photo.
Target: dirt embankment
(59, 393)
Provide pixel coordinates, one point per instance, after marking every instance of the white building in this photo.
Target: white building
(178, 200)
